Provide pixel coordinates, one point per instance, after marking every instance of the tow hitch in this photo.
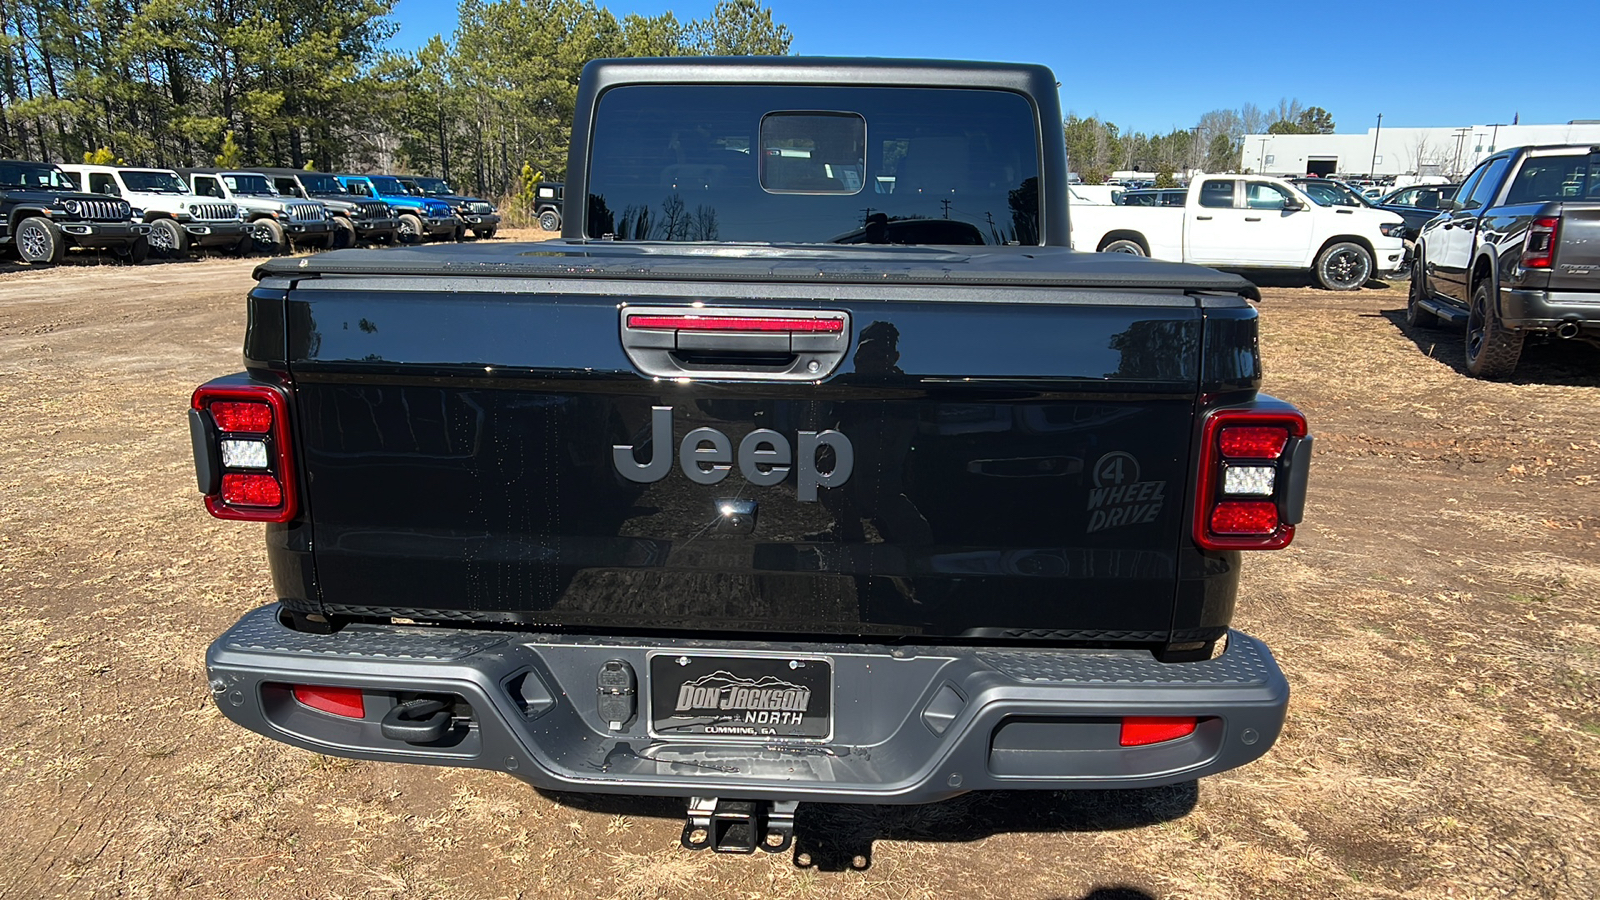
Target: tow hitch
(739, 826)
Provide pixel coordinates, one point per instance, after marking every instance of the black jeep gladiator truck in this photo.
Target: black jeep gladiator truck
(809, 465)
(42, 213)
(1515, 254)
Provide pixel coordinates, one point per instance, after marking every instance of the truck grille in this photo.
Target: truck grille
(310, 212)
(213, 212)
(104, 210)
(374, 210)
(481, 207)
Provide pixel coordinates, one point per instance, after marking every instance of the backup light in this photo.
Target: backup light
(244, 454)
(1249, 480)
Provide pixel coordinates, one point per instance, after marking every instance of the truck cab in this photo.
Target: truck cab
(420, 218)
(179, 219)
(357, 220)
(43, 213)
(280, 222)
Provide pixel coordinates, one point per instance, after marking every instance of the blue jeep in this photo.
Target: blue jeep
(421, 218)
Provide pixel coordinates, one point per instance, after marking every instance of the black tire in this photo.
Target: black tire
(320, 242)
(1132, 248)
(460, 234)
(410, 230)
(1492, 349)
(486, 233)
(550, 220)
(246, 245)
(270, 237)
(344, 233)
(1416, 316)
(136, 252)
(168, 240)
(1344, 266)
(39, 241)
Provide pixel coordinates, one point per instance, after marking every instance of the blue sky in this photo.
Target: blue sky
(1134, 63)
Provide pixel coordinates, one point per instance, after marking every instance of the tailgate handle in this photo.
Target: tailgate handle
(735, 343)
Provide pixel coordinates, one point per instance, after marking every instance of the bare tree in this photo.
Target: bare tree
(1252, 120)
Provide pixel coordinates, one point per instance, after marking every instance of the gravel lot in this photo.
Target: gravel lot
(1437, 617)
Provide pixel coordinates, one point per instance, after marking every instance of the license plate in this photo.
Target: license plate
(741, 698)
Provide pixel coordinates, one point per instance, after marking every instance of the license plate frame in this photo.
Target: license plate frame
(696, 696)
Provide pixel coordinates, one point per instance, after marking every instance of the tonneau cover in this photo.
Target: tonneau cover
(1024, 266)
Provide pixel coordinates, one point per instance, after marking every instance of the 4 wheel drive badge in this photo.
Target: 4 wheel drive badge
(1116, 467)
(765, 457)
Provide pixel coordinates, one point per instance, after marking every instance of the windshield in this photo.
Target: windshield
(250, 185)
(765, 163)
(1332, 193)
(321, 184)
(39, 176)
(1547, 179)
(388, 186)
(434, 186)
(153, 182)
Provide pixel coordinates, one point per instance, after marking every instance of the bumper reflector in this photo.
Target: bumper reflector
(336, 701)
(1138, 731)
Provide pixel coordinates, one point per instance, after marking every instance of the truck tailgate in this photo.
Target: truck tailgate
(1576, 266)
(1017, 467)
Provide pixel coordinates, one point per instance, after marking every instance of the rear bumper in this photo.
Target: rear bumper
(911, 725)
(1549, 310)
(103, 234)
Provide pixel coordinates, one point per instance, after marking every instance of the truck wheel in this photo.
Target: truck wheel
(270, 237)
(167, 240)
(410, 229)
(1344, 266)
(39, 241)
(1416, 316)
(344, 233)
(1492, 348)
(247, 243)
(485, 234)
(1132, 248)
(550, 220)
(460, 234)
(136, 252)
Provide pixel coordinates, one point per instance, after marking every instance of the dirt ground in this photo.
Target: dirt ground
(1438, 618)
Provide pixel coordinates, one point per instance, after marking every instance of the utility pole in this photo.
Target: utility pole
(1262, 162)
(1494, 138)
(946, 204)
(1461, 136)
(1372, 170)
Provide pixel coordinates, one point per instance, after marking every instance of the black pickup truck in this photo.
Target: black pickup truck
(1516, 254)
(42, 213)
(810, 464)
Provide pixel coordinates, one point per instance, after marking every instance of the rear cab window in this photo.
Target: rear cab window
(805, 164)
(1554, 179)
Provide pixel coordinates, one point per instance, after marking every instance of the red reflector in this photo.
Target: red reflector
(251, 490)
(1244, 517)
(339, 701)
(1254, 442)
(1140, 730)
(736, 323)
(251, 418)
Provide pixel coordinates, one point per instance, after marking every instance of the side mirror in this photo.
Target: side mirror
(1292, 204)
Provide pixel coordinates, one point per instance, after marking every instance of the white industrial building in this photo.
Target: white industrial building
(1402, 151)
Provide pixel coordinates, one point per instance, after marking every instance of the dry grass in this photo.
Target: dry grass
(1439, 620)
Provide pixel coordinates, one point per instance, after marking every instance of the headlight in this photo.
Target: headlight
(125, 209)
(73, 207)
(1396, 229)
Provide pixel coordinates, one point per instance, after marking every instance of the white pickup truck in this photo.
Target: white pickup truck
(1251, 222)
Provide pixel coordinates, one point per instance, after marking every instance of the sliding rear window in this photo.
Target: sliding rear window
(814, 165)
(1548, 179)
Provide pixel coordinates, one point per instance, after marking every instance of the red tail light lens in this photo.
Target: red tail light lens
(1137, 731)
(1539, 246)
(251, 418)
(1244, 474)
(251, 479)
(338, 701)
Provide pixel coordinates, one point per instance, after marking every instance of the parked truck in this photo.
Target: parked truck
(43, 213)
(476, 213)
(279, 222)
(736, 493)
(1252, 222)
(179, 219)
(421, 218)
(1516, 254)
(356, 220)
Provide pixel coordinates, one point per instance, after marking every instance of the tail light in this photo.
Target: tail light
(241, 451)
(1252, 479)
(1539, 245)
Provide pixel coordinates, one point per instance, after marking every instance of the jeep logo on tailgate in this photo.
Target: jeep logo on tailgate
(706, 456)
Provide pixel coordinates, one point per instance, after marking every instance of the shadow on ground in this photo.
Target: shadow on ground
(1544, 360)
(836, 837)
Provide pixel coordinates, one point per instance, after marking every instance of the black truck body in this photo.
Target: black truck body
(1516, 254)
(760, 520)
